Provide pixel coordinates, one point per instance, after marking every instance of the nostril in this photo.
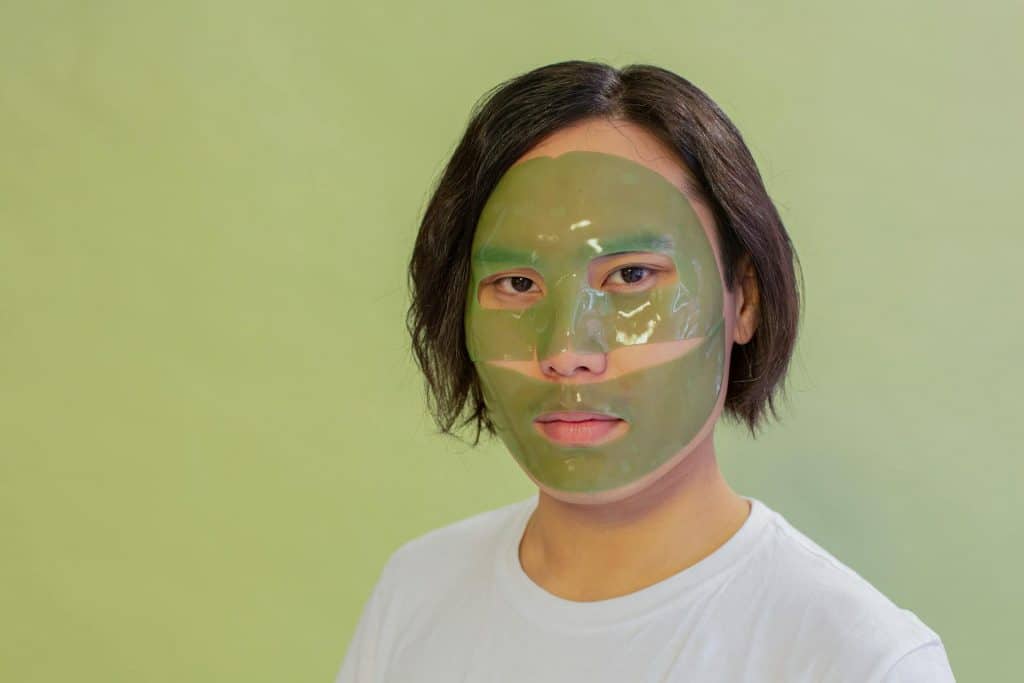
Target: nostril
(568, 364)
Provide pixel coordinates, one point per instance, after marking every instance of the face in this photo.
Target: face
(595, 312)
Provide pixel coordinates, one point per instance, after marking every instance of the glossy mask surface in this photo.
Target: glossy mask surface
(556, 216)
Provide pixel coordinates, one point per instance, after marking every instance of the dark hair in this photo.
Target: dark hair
(512, 118)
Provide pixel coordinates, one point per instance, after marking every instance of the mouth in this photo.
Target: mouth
(580, 428)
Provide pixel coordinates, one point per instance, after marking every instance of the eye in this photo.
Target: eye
(515, 284)
(630, 275)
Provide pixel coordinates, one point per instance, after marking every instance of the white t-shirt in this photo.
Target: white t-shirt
(768, 605)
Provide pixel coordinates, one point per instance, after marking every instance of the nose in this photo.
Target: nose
(569, 363)
(574, 342)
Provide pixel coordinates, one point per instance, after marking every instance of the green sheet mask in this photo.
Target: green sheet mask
(553, 221)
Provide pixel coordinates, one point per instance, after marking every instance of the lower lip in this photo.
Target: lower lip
(587, 432)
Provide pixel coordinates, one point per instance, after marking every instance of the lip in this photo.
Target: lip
(574, 416)
(579, 428)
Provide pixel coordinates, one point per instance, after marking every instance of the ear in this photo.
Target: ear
(748, 311)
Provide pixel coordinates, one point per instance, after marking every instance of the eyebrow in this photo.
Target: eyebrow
(495, 253)
(639, 241)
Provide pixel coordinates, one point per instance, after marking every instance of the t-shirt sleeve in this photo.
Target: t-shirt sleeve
(363, 659)
(926, 663)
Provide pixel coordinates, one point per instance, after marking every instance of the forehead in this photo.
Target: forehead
(583, 203)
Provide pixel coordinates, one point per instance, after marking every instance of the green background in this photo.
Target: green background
(212, 434)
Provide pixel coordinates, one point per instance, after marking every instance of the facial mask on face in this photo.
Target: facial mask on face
(555, 220)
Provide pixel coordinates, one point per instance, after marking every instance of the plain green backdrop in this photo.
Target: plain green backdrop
(212, 434)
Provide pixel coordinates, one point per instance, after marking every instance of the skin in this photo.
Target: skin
(596, 546)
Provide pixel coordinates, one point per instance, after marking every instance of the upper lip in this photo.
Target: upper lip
(574, 416)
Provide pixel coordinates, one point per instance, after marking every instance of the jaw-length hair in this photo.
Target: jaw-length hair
(512, 118)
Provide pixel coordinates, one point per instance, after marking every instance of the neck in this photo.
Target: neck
(587, 552)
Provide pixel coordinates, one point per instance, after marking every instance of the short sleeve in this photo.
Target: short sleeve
(926, 663)
(363, 659)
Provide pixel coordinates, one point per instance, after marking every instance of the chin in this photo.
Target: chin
(659, 475)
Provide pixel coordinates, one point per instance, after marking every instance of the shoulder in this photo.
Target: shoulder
(420, 580)
(454, 553)
(829, 605)
(852, 600)
(927, 663)
(437, 544)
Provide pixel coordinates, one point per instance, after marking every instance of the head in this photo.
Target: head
(537, 293)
